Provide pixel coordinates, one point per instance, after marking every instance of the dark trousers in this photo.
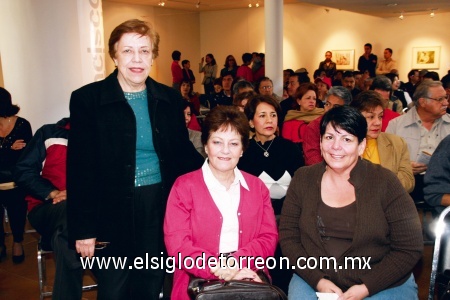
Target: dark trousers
(50, 221)
(417, 193)
(14, 202)
(209, 88)
(126, 283)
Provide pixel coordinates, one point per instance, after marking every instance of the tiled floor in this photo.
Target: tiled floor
(20, 282)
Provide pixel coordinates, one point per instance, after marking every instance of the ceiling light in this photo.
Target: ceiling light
(250, 5)
(432, 14)
(257, 4)
(161, 3)
(401, 16)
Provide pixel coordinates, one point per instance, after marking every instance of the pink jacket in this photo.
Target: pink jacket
(193, 223)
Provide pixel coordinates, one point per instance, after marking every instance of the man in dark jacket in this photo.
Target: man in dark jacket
(41, 172)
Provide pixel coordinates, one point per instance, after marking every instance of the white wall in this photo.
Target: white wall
(310, 31)
(39, 45)
(40, 52)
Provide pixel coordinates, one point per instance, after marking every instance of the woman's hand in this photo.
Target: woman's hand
(86, 247)
(247, 273)
(224, 273)
(356, 292)
(18, 145)
(202, 60)
(327, 286)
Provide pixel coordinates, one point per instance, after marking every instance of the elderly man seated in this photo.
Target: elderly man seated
(423, 127)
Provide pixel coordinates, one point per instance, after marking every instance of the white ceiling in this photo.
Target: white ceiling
(377, 8)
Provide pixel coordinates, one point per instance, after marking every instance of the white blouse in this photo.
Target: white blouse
(227, 201)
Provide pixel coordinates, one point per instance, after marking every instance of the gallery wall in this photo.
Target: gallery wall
(309, 31)
(41, 59)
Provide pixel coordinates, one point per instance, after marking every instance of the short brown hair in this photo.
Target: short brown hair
(304, 88)
(367, 101)
(253, 102)
(133, 26)
(220, 117)
(242, 96)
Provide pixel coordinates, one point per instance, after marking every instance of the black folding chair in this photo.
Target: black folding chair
(440, 268)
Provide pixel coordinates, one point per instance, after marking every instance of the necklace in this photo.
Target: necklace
(266, 151)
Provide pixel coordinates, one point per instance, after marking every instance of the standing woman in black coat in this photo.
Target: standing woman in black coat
(128, 143)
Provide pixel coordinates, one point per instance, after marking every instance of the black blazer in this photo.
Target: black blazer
(101, 156)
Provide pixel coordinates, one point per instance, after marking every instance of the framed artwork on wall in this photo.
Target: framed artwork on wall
(345, 59)
(426, 57)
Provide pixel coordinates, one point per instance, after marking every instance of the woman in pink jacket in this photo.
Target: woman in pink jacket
(219, 211)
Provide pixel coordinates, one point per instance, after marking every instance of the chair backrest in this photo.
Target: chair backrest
(441, 255)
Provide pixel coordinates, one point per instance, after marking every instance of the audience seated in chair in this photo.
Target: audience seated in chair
(336, 96)
(41, 171)
(388, 150)
(296, 120)
(437, 178)
(423, 127)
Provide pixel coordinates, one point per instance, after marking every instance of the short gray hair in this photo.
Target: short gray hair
(341, 92)
(423, 90)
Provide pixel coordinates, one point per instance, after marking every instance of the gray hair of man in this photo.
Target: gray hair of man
(240, 85)
(341, 92)
(423, 90)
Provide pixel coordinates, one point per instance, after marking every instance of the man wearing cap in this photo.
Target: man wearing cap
(322, 88)
(386, 65)
(423, 127)
(422, 73)
(328, 65)
(336, 96)
(368, 61)
(383, 86)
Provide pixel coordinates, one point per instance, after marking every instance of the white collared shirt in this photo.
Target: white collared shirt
(227, 201)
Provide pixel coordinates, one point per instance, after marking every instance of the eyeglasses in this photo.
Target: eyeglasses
(269, 87)
(327, 104)
(101, 245)
(441, 99)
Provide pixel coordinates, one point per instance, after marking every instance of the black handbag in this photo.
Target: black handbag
(215, 289)
(443, 287)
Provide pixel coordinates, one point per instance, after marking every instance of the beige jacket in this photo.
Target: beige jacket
(394, 156)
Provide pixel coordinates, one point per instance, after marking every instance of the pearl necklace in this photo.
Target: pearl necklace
(266, 151)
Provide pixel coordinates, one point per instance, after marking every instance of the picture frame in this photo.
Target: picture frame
(426, 57)
(345, 59)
